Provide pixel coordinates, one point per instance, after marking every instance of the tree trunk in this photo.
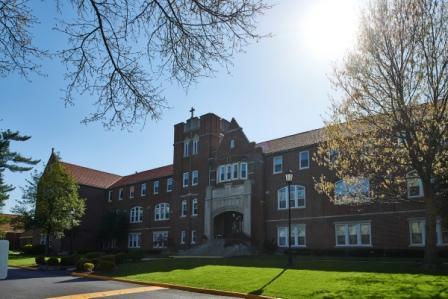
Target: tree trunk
(47, 243)
(430, 227)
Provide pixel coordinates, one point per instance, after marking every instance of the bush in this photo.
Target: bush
(30, 249)
(269, 246)
(120, 258)
(69, 260)
(136, 255)
(109, 258)
(53, 261)
(106, 265)
(40, 260)
(93, 255)
(88, 267)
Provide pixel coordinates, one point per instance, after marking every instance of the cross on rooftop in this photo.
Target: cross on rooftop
(192, 112)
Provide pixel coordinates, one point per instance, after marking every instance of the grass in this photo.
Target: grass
(310, 278)
(15, 259)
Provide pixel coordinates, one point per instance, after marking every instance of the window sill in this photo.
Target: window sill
(286, 209)
(292, 246)
(304, 168)
(161, 219)
(416, 245)
(353, 246)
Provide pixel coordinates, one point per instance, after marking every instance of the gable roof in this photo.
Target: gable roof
(145, 175)
(291, 142)
(91, 177)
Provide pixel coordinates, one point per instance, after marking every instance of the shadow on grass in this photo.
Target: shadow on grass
(260, 290)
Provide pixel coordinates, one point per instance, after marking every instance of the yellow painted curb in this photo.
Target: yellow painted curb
(174, 286)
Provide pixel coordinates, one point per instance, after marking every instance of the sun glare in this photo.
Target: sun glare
(328, 27)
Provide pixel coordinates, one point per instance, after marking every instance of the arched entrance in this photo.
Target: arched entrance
(228, 224)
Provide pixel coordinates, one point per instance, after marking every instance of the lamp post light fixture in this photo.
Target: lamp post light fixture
(288, 177)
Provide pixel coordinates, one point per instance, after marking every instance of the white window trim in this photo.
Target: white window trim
(183, 237)
(141, 189)
(155, 190)
(158, 211)
(423, 244)
(273, 165)
(195, 146)
(194, 203)
(185, 175)
(226, 168)
(138, 239)
(285, 227)
(158, 233)
(193, 240)
(131, 191)
(168, 180)
(186, 152)
(120, 194)
(182, 214)
(439, 233)
(412, 175)
(300, 160)
(241, 171)
(193, 176)
(288, 201)
(347, 234)
(136, 214)
(109, 196)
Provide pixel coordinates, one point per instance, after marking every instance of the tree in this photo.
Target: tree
(25, 209)
(123, 50)
(12, 161)
(113, 226)
(58, 205)
(390, 126)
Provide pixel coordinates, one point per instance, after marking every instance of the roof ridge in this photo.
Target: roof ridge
(151, 169)
(287, 136)
(91, 169)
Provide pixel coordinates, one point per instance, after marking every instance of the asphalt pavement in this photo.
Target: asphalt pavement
(23, 283)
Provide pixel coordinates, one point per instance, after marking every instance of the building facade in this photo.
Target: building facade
(222, 185)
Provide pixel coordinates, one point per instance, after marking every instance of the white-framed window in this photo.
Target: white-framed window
(194, 207)
(183, 237)
(353, 189)
(160, 239)
(298, 235)
(194, 177)
(131, 192)
(143, 189)
(243, 170)
(193, 237)
(353, 234)
(231, 172)
(186, 147)
(169, 184)
(136, 215)
(232, 143)
(277, 164)
(134, 240)
(120, 194)
(184, 208)
(43, 239)
(155, 187)
(297, 197)
(417, 233)
(442, 233)
(304, 160)
(109, 196)
(195, 146)
(162, 211)
(235, 171)
(186, 179)
(414, 185)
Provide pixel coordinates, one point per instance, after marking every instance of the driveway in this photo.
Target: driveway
(23, 283)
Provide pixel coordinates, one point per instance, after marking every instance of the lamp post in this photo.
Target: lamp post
(288, 178)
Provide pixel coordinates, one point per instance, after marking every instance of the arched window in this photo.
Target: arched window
(297, 197)
(136, 215)
(162, 211)
(414, 185)
(353, 189)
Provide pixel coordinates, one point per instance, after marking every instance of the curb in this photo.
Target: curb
(25, 267)
(174, 286)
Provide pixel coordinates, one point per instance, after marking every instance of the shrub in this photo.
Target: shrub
(269, 246)
(88, 267)
(40, 260)
(136, 255)
(109, 257)
(93, 255)
(106, 265)
(69, 260)
(30, 249)
(120, 258)
(53, 261)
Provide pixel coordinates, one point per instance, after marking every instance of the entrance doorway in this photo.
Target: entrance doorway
(228, 224)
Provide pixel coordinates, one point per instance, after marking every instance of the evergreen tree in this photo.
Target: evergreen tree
(12, 161)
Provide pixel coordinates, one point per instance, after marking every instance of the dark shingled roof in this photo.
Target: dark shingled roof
(145, 175)
(91, 177)
(291, 142)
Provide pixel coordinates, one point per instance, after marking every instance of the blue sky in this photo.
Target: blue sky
(279, 86)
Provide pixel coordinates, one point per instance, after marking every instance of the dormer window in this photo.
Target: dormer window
(232, 143)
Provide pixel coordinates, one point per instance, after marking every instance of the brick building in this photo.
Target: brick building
(221, 184)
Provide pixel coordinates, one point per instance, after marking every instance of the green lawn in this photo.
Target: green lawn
(20, 260)
(312, 277)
